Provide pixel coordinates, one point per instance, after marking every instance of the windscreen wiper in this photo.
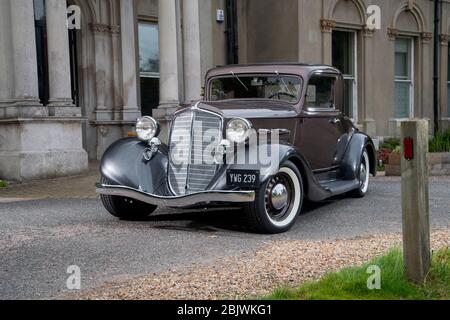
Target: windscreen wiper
(237, 78)
(284, 83)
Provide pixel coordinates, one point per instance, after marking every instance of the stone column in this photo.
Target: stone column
(367, 116)
(60, 102)
(327, 27)
(169, 64)
(26, 92)
(117, 72)
(444, 112)
(192, 51)
(129, 60)
(99, 31)
(6, 67)
(169, 77)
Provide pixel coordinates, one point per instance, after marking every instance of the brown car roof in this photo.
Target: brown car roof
(290, 68)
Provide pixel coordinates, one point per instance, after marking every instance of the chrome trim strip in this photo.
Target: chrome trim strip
(177, 201)
(269, 131)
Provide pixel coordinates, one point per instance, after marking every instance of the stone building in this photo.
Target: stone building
(66, 95)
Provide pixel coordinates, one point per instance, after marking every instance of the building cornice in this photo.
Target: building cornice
(19, 120)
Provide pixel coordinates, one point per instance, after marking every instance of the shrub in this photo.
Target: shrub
(397, 150)
(440, 142)
(390, 144)
(3, 184)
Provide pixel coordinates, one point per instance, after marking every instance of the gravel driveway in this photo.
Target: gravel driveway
(40, 239)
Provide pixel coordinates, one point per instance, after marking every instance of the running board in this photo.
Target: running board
(339, 186)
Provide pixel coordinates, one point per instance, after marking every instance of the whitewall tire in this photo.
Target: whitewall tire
(364, 176)
(278, 202)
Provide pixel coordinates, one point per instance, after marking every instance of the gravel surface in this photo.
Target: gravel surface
(282, 263)
(40, 239)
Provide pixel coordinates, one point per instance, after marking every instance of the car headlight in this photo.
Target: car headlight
(238, 130)
(147, 128)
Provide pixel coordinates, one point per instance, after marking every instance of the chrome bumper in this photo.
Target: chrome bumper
(177, 201)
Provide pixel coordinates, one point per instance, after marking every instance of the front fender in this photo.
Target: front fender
(124, 165)
(313, 190)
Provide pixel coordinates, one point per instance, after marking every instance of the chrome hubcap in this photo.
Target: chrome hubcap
(279, 197)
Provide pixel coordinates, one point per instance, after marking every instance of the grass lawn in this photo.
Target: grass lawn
(351, 283)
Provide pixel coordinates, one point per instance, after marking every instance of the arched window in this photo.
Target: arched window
(347, 36)
(409, 33)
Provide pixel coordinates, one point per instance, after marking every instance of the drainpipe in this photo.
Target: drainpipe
(437, 15)
(232, 37)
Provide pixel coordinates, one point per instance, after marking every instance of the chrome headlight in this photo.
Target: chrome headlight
(147, 128)
(238, 130)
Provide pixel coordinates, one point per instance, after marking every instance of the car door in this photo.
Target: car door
(322, 124)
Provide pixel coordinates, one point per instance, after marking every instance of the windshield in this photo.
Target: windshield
(238, 86)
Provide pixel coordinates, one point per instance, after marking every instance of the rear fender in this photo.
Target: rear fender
(349, 169)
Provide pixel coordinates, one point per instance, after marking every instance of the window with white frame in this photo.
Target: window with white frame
(404, 75)
(149, 65)
(345, 59)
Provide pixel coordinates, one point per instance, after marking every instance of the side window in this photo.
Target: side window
(321, 92)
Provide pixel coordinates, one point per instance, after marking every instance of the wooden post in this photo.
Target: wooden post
(415, 203)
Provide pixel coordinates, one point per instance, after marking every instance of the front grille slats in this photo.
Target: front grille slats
(190, 167)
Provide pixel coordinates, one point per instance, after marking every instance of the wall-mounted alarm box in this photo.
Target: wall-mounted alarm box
(220, 16)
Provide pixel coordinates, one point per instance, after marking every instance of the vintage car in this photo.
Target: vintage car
(288, 114)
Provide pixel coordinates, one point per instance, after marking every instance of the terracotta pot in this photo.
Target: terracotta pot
(394, 159)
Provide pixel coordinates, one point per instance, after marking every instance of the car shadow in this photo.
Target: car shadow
(210, 221)
(309, 207)
(218, 219)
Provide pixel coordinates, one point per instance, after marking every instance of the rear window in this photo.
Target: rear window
(275, 87)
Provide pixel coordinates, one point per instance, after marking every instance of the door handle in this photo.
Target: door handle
(335, 121)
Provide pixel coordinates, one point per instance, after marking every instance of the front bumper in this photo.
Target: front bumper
(178, 201)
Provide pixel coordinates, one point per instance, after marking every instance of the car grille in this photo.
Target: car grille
(195, 134)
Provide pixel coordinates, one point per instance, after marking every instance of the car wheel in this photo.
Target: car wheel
(364, 176)
(278, 202)
(125, 208)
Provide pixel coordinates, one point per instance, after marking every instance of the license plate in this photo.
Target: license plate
(243, 178)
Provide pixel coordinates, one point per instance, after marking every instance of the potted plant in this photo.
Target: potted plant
(394, 166)
(438, 159)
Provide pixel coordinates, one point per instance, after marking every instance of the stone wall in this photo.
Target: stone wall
(301, 31)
